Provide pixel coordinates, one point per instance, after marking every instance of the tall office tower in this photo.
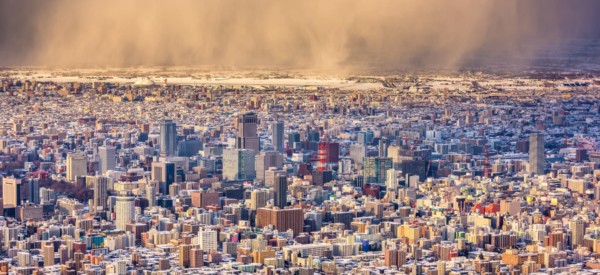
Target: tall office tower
(108, 158)
(168, 137)
(196, 258)
(164, 173)
(258, 198)
(239, 164)
(151, 195)
(11, 192)
(375, 169)
(278, 130)
(577, 227)
(364, 138)
(281, 188)
(281, 219)
(124, 211)
(48, 253)
(100, 186)
(383, 143)
(391, 180)
(358, 152)
(537, 156)
(293, 138)
(184, 255)
(266, 160)
(76, 165)
(247, 132)
(207, 239)
(33, 191)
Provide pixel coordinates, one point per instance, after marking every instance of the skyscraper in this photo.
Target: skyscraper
(124, 211)
(537, 156)
(258, 198)
(239, 164)
(48, 253)
(76, 165)
(577, 227)
(108, 158)
(375, 169)
(184, 255)
(293, 138)
(266, 160)
(33, 191)
(151, 195)
(11, 192)
(100, 186)
(281, 188)
(247, 132)
(196, 258)
(164, 173)
(168, 137)
(278, 130)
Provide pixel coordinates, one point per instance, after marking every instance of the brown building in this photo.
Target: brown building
(196, 258)
(204, 199)
(281, 219)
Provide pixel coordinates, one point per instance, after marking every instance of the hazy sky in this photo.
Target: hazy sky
(299, 34)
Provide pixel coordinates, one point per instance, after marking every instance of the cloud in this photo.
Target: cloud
(307, 34)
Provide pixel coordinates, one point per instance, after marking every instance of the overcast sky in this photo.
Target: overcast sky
(299, 34)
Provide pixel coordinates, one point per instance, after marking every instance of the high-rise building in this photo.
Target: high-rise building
(76, 165)
(100, 186)
(184, 255)
(281, 219)
(278, 130)
(577, 227)
(11, 192)
(392, 179)
(383, 143)
(266, 160)
(48, 253)
(207, 239)
(247, 132)
(108, 158)
(239, 164)
(358, 152)
(33, 191)
(364, 138)
(151, 195)
(375, 169)
(164, 174)
(124, 211)
(168, 137)
(537, 156)
(281, 188)
(196, 258)
(293, 139)
(24, 258)
(258, 198)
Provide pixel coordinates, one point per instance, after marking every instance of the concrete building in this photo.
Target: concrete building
(76, 165)
(537, 157)
(124, 211)
(278, 132)
(239, 164)
(266, 160)
(108, 159)
(168, 138)
(247, 132)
